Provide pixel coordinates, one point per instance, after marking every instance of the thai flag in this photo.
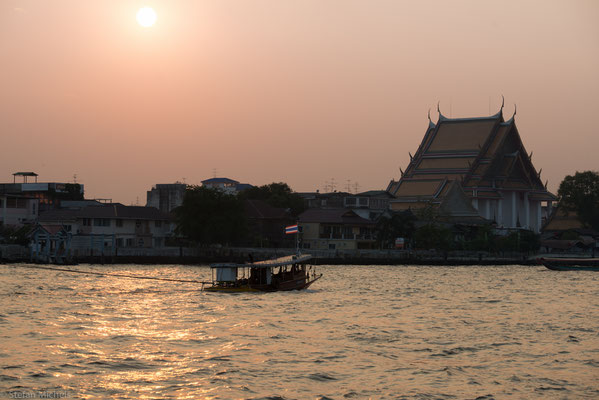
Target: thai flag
(291, 229)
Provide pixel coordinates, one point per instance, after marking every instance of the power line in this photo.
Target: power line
(107, 274)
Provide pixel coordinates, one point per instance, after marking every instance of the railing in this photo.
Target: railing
(353, 236)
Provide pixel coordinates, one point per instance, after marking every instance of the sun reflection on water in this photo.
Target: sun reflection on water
(412, 332)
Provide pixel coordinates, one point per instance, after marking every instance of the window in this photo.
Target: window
(87, 222)
(119, 223)
(331, 246)
(158, 224)
(138, 223)
(68, 228)
(119, 242)
(101, 222)
(129, 242)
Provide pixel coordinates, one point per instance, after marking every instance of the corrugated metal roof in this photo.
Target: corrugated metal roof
(342, 216)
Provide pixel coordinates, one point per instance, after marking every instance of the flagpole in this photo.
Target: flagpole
(297, 241)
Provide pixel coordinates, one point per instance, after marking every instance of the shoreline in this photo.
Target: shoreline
(208, 255)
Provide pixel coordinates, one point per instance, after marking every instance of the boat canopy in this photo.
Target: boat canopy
(277, 262)
(226, 274)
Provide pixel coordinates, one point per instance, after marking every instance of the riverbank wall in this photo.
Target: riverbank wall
(208, 255)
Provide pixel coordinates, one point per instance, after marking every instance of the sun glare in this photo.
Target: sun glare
(146, 17)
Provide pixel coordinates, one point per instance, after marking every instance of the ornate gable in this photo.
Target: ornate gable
(505, 164)
(485, 158)
(449, 151)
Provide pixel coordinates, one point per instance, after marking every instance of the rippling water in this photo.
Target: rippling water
(360, 332)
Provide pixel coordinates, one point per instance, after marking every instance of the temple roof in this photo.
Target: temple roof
(483, 154)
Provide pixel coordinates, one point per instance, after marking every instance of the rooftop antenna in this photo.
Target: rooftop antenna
(348, 186)
(356, 187)
(333, 184)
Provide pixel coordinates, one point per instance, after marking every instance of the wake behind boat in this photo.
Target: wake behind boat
(571, 264)
(281, 274)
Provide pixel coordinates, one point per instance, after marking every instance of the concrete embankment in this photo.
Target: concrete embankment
(198, 256)
(207, 255)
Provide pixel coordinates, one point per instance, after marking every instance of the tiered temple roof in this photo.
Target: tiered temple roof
(485, 155)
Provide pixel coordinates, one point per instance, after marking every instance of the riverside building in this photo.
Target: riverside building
(474, 167)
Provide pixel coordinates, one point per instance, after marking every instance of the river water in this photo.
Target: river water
(393, 332)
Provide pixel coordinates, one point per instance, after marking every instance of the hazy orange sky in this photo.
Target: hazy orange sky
(296, 91)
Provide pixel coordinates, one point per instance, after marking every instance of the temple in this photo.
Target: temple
(481, 161)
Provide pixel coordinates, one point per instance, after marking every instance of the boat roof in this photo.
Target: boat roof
(277, 262)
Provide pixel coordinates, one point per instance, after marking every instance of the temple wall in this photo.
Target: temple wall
(507, 211)
(515, 207)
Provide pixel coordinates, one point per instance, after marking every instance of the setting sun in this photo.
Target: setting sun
(146, 17)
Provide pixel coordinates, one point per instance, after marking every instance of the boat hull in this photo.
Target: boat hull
(571, 264)
(287, 286)
(223, 289)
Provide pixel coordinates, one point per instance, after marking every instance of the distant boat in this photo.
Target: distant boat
(571, 264)
(281, 274)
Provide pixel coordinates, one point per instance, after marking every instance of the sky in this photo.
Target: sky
(314, 93)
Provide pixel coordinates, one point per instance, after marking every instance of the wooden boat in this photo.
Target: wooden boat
(571, 264)
(281, 274)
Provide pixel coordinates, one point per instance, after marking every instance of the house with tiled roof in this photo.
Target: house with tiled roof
(119, 225)
(336, 229)
(267, 224)
(564, 232)
(17, 210)
(481, 159)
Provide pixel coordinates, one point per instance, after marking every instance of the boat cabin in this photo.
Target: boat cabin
(286, 273)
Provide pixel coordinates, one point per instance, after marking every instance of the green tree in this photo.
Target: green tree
(580, 193)
(399, 224)
(210, 216)
(14, 235)
(521, 240)
(433, 236)
(479, 238)
(277, 195)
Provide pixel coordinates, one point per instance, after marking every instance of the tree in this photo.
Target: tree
(433, 236)
(277, 195)
(400, 224)
(211, 216)
(580, 193)
(521, 241)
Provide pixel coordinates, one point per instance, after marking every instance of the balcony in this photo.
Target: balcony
(340, 236)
